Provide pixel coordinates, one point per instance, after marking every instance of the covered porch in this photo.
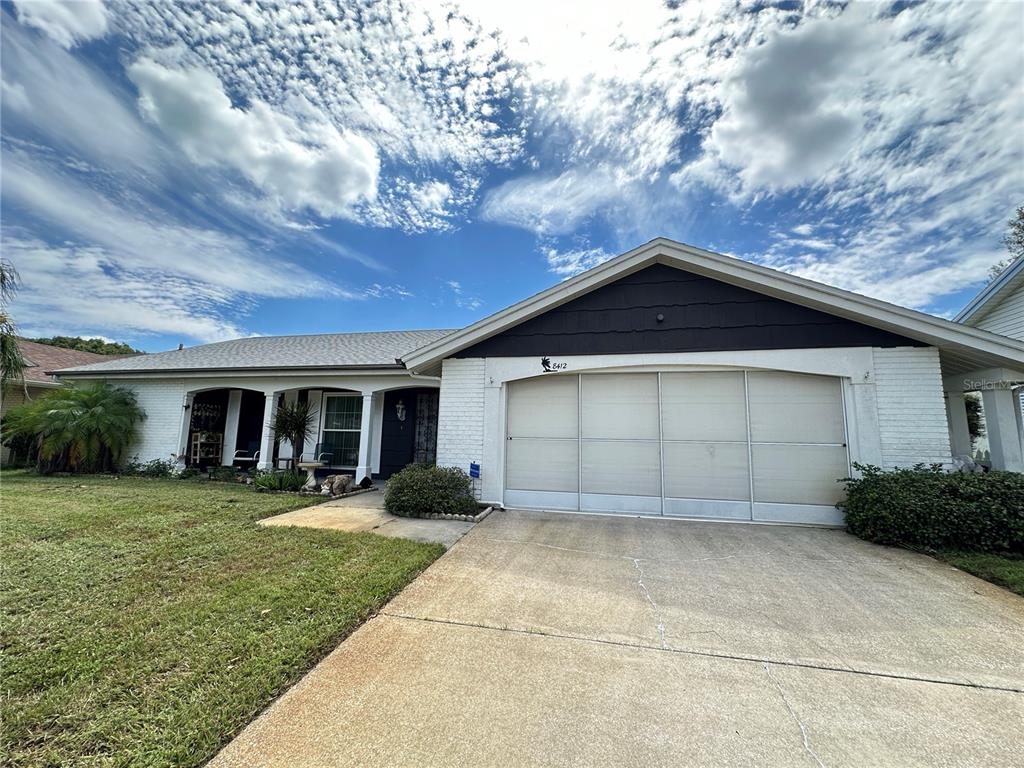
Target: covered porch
(363, 426)
(1000, 391)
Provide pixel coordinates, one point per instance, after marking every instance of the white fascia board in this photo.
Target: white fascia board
(986, 295)
(239, 373)
(879, 314)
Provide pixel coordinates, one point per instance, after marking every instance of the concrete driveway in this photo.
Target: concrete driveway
(544, 639)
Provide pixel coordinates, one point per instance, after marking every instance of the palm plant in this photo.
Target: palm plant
(81, 429)
(12, 364)
(294, 422)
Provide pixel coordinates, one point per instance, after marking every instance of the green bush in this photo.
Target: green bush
(928, 508)
(224, 474)
(421, 489)
(279, 481)
(161, 468)
(77, 429)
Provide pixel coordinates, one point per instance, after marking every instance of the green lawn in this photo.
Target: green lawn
(1007, 572)
(146, 621)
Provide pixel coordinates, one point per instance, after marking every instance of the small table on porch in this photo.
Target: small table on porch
(311, 467)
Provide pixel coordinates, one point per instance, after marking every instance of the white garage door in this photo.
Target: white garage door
(754, 445)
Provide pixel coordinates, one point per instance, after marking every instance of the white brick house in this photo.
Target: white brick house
(668, 381)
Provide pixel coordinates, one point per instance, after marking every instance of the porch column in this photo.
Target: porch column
(1018, 407)
(183, 448)
(267, 437)
(1001, 423)
(365, 439)
(231, 427)
(315, 398)
(956, 416)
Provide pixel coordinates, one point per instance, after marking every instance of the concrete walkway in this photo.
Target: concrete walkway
(365, 512)
(563, 640)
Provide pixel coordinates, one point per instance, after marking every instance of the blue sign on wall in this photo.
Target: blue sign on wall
(474, 469)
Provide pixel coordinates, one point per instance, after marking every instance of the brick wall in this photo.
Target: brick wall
(911, 408)
(460, 423)
(157, 437)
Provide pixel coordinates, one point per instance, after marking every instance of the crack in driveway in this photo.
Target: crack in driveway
(707, 654)
(654, 606)
(795, 716)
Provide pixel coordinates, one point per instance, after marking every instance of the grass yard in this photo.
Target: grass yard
(146, 621)
(1007, 572)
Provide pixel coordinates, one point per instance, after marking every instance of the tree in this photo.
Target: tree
(1014, 242)
(1014, 237)
(79, 429)
(975, 423)
(97, 346)
(294, 423)
(12, 364)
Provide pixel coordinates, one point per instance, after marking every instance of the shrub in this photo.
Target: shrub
(421, 489)
(279, 481)
(928, 508)
(154, 468)
(77, 429)
(225, 474)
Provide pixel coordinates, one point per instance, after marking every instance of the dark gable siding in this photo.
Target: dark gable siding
(700, 315)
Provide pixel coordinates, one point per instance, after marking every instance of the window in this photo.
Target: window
(343, 415)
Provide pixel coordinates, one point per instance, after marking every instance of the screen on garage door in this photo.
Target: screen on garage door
(743, 445)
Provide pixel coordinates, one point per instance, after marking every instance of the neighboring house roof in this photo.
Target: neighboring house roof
(322, 351)
(962, 348)
(993, 293)
(42, 358)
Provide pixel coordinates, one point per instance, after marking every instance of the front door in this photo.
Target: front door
(408, 429)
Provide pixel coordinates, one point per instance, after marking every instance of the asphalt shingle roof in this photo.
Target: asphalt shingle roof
(329, 350)
(40, 358)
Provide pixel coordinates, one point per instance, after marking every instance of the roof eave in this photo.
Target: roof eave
(990, 291)
(72, 372)
(907, 322)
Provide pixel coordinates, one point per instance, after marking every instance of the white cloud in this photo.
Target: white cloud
(462, 300)
(301, 164)
(793, 108)
(141, 238)
(550, 205)
(874, 145)
(68, 22)
(378, 291)
(78, 290)
(574, 261)
(72, 106)
(424, 85)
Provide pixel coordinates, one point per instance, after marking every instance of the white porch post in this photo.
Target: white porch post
(1001, 423)
(365, 438)
(186, 424)
(1018, 407)
(231, 427)
(315, 398)
(956, 415)
(267, 436)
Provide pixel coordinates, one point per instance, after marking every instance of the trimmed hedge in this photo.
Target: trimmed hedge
(928, 508)
(419, 490)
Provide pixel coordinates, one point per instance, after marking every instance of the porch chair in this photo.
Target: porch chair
(247, 458)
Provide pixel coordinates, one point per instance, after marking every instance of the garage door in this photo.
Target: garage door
(735, 445)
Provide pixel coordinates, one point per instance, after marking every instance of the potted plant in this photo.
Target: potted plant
(294, 423)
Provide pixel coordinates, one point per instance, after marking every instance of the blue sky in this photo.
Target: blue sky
(195, 172)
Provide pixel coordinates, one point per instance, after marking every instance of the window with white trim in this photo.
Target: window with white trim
(343, 414)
